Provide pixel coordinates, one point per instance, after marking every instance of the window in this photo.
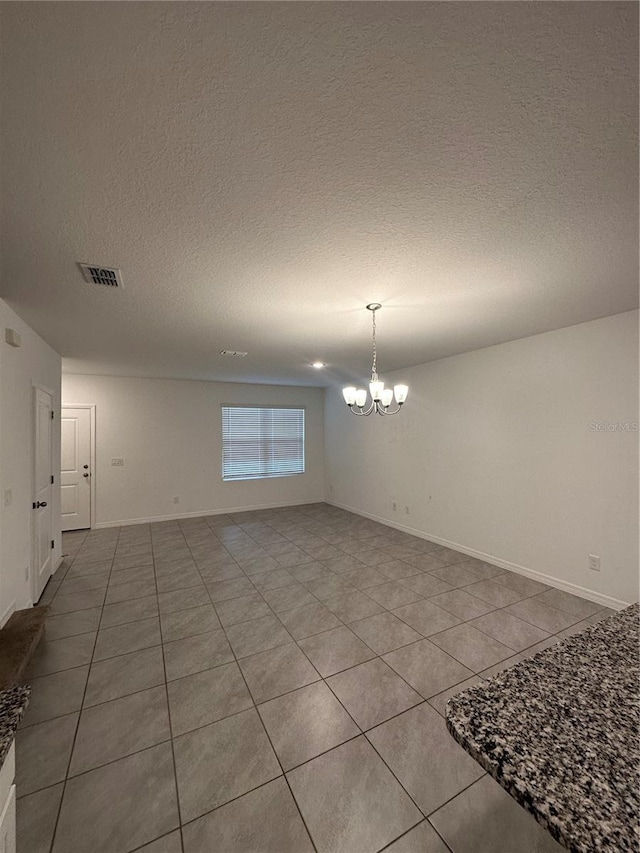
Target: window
(261, 442)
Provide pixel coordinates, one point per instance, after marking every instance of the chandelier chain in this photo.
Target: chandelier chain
(374, 368)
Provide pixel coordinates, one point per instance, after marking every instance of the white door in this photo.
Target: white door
(75, 475)
(42, 492)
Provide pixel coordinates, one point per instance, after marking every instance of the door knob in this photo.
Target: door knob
(85, 466)
(85, 475)
(40, 503)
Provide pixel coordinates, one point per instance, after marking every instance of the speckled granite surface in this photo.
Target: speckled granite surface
(12, 706)
(560, 733)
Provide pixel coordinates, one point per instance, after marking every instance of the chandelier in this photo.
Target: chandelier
(381, 397)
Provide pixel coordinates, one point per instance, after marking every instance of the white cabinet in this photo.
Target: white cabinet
(8, 803)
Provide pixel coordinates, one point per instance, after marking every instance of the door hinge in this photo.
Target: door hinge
(53, 544)
(34, 505)
(52, 478)
(52, 414)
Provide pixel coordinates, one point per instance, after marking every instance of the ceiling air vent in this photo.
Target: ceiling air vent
(101, 275)
(233, 352)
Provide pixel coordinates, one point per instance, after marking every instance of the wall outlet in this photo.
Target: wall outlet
(394, 506)
(406, 510)
(117, 462)
(176, 500)
(594, 563)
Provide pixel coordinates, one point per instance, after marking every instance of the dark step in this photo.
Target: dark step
(18, 641)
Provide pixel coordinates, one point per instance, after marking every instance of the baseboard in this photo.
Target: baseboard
(7, 613)
(557, 583)
(201, 513)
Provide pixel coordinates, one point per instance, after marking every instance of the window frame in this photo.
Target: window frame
(269, 407)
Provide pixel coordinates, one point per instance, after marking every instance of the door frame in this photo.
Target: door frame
(35, 386)
(92, 453)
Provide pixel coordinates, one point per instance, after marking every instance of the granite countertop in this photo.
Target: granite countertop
(561, 733)
(12, 706)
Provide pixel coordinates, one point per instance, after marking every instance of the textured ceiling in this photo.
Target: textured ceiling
(261, 171)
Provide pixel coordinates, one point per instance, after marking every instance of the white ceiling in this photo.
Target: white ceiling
(261, 171)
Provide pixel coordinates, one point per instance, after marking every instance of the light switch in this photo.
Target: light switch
(117, 462)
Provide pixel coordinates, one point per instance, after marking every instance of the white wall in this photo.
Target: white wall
(169, 434)
(33, 363)
(494, 452)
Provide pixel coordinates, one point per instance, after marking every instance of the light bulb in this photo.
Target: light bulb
(349, 395)
(401, 392)
(386, 397)
(361, 397)
(376, 388)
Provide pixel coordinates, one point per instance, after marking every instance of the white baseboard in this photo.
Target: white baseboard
(7, 613)
(557, 583)
(125, 522)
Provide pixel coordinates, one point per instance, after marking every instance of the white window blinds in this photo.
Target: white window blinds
(261, 442)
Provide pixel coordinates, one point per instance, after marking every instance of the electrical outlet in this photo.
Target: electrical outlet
(394, 506)
(117, 462)
(406, 510)
(176, 500)
(594, 563)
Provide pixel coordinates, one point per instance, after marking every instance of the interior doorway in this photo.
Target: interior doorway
(77, 488)
(42, 524)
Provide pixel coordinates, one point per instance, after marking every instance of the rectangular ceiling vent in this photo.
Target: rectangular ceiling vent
(108, 276)
(234, 353)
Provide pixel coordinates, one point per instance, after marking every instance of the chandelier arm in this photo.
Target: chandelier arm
(361, 413)
(382, 411)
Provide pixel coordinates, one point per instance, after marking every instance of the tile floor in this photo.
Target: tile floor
(272, 682)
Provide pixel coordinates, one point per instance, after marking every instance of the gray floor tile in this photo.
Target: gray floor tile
(421, 839)
(426, 585)
(258, 635)
(306, 621)
(515, 633)
(42, 753)
(36, 817)
(333, 651)
(424, 757)
(98, 580)
(461, 604)
(264, 820)
(79, 568)
(273, 580)
(77, 601)
(233, 588)
(121, 727)
(56, 655)
(116, 677)
(55, 695)
(130, 591)
(130, 637)
(311, 571)
(569, 603)
(398, 570)
(485, 819)
(119, 806)
(129, 611)
(424, 562)
(350, 801)
(366, 577)
(220, 762)
(288, 597)
(456, 575)
(343, 564)
(353, 606)
(294, 558)
(139, 573)
(439, 701)
(206, 697)
(521, 584)
(132, 561)
(372, 692)
(448, 555)
(537, 613)
(305, 723)
(426, 618)
(213, 571)
(182, 599)
(195, 654)
(494, 593)
(243, 609)
(427, 668)
(327, 587)
(277, 671)
(188, 623)
(384, 632)
(393, 594)
(471, 647)
(182, 579)
(483, 570)
(71, 624)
